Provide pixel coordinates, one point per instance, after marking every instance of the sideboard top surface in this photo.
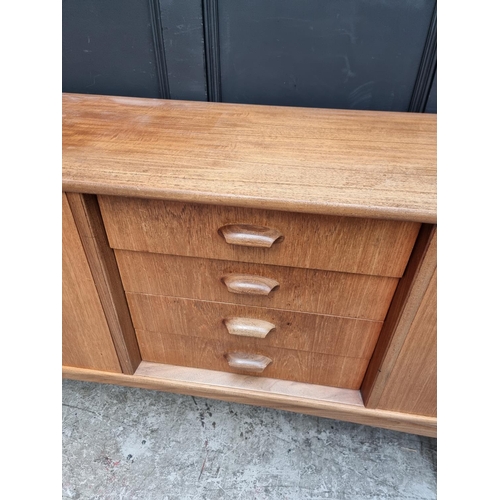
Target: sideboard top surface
(325, 161)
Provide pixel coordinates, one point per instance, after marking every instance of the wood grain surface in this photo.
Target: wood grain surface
(338, 162)
(248, 284)
(250, 235)
(404, 307)
(86, 340)
(412, 386)
(304, 332)
(287, 364)
(248, 327)
(318, 400)
(107, 279)
(303, 290)
(345, 244)
(242, 361)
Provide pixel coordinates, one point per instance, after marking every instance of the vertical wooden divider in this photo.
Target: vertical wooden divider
(407, 299)
(104, 268)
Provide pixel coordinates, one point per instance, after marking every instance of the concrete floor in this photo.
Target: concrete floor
(123, 443)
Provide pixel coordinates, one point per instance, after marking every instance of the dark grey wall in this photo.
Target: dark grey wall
(108, 48)
(353, 54)
(182, 22)
(431, 106)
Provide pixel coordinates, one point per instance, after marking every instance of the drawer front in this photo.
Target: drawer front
(262, 327)
(285, 364)
(303, 290)
(344, 244)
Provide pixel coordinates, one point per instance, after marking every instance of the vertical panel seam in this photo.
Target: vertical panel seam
(159, 48)
(212, 49)
(426, 70)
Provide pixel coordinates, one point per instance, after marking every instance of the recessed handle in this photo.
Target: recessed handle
(248, 327)
(251, 362)
(248, 284)
(248, 235)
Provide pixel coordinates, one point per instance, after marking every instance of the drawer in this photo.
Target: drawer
(303, 290)
(262, 327)
(284, 364)
(345, 244)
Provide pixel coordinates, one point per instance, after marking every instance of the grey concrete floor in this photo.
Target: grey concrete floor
(124, 443)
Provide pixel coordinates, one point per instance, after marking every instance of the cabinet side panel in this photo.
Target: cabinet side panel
(412, 386)
(401, 315)
(86, 341)
(104, 270)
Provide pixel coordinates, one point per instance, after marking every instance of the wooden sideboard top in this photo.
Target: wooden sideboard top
(337, 162)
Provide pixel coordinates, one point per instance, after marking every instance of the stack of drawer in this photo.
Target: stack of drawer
(284, 295)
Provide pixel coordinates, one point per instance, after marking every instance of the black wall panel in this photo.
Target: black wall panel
(353, 54)
(432, 101)
(182, 22)
(108, 48)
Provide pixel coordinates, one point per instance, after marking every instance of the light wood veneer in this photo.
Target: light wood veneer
(365, 164)
(268, 255)
(304, 290)
(345, 244)
(291, 330)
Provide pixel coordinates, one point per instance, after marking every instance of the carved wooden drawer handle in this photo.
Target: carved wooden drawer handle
(249, 285)
(250, 362)
(248, 327)
(248, 235)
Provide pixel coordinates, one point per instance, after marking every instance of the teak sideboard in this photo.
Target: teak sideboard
(274, 256)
